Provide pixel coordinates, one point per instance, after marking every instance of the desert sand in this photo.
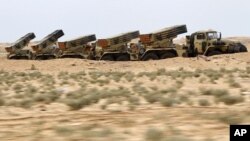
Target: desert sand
(178, 99)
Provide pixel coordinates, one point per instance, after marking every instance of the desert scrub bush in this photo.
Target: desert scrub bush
(20, 74)
(134, 100)
(64, 130)
(77, 104)
(168, 102)
(152, 76)
(161, 72)
(117, 100)
(202, 79)
(187, 74)
(79, 99)
(197, 73)
(63, 75)
(225, 71)
(153, 134)
(248, 70)
(184, 98)
(141, 74)
(229, 118)
(120, 92)
(152, 98)
(96, 74)
(244, 75)
(2, 101)
(204, 102)
(214, 92)
(116, 76)
(174, 74)
(233, 83)
(25, 103)
(35, 75)
(64, 82)
(138, 88)
(48, 80)
(179, 84)
(18, 88)
(82, 73)
(213, 74)
(153, 88)
(222, 95)
(48, 97)
(102, 82)
(172, 90)
(230, 99)
(129, 76)
(33, 67)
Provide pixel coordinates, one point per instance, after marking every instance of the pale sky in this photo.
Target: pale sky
(106, 18)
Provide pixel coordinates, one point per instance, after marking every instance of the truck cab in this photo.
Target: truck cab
(209, 43)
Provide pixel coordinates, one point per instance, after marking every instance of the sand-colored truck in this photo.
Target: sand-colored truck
(210, 43)
(17, 51)
(132, 46)
(114, 48)
(48, 48)
(159, 45)
(77, 48)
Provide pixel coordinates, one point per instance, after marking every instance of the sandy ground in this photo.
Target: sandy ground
(186, 120)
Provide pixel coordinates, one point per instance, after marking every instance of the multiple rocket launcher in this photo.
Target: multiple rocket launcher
(52, 40)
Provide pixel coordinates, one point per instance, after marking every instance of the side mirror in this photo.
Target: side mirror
(219, 36)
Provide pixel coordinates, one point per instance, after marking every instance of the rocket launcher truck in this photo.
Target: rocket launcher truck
(159, 44)
(114, 48)
(48, 48)
(77, 48)
(17, 51)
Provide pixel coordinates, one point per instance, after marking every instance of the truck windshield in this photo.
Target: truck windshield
(212, 35)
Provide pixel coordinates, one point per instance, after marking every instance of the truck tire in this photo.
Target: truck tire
(215, 52)
(123, 58)
(167, 55)
(108, 58)
(150, 56)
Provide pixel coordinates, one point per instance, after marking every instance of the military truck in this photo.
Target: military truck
(77, 48)
(48, 48)
(17, 51)
(132, 46)
(209, 43)
(114, 48)
(159, 45)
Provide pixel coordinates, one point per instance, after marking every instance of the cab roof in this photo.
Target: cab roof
(205, 31)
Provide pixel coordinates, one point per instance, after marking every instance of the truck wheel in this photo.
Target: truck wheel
(150, 56)
(167, 55)
(108, 58)
(123, 58)
(38, 58)
(212, 53)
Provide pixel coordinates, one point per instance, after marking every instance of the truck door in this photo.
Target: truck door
(200, 42)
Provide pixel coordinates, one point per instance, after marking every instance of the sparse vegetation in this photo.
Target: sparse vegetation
(230, 99)
(168, 102)
(233, 83)
(119, 94)
(33, 67)
(204, 102)
(154, 134)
